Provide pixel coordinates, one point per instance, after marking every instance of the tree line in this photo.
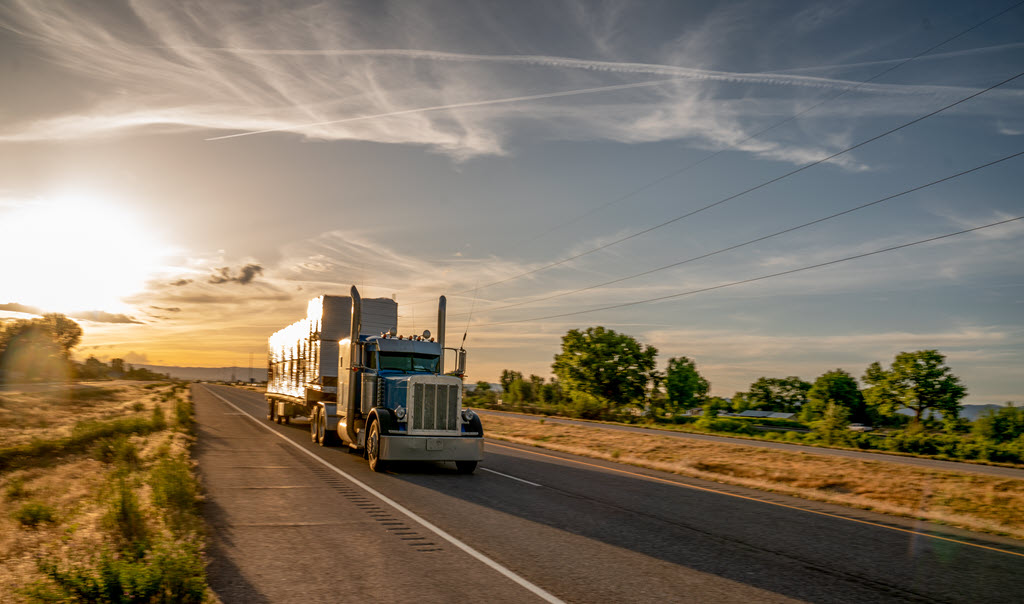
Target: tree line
(605, 375)
(39, 350)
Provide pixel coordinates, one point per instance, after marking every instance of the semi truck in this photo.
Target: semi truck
(361, 385)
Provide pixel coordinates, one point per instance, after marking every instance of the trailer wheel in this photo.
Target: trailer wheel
(373, 448)
(466, 467)
(314, 420)
(325, 437)
(270, 410)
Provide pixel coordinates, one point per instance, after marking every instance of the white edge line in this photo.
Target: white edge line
(435, 529)
(512, 477)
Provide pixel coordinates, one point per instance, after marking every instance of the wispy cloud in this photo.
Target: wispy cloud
(315, 71)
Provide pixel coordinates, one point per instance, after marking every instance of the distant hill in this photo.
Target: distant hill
(973, 412)
(241, 374)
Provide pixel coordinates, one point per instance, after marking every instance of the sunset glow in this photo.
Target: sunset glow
(75, 253)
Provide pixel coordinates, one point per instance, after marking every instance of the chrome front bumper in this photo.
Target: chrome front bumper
(431, 448)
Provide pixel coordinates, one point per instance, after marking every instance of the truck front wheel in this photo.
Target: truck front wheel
(373, 448)
(465, 467)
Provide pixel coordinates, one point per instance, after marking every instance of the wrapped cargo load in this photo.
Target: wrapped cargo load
(303, 357)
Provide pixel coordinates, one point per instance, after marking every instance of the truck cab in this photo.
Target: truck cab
(399, 403)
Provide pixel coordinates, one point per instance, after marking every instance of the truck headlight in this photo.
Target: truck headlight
(400, 413)
(468, 415)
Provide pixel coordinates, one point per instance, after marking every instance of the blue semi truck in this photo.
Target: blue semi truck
(363, 386)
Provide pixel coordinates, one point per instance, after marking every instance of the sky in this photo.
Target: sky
(183, 177)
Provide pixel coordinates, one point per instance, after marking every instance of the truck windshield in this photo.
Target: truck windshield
(404, 361)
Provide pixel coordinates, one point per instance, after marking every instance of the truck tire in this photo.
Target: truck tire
(466, 467)
(314, 418)
(373, 448)
(325, 437)
(270, 410)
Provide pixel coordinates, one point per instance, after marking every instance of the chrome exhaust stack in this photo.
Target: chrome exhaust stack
(357, 361)
(442, 304)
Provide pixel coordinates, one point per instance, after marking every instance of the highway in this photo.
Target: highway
(295, 522)
(921, 462)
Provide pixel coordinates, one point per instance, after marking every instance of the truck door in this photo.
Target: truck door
(344, 375)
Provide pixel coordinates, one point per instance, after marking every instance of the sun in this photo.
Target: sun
(74, 253)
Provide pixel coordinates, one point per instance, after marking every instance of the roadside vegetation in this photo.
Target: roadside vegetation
(976, 502)
(914, 406)
(98, 499)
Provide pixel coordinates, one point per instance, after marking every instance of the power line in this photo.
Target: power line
(759, 239)
(751, 137)
(751, 189)
(785, 121)
(753, 279)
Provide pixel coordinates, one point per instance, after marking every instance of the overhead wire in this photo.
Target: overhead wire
(757, 134)
(753, 188)
(759, 239)
(754, 279)
(751, 137)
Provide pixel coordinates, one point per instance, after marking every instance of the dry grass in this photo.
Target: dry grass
(79, 487)
(50, 411)
(983, 503)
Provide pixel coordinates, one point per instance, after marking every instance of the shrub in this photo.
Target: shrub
(119, 449)
(183, 414)
(15, 489)
(175, 491)
(169, 573)
(723, 425)
(33, 513)
(126, 521)
(159, 421)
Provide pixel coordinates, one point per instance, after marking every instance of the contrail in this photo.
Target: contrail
(931, 57)
(517, 99)
(673, 71)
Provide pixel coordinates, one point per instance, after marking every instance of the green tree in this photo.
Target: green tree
(481, 395)
(918, 381)
(33, 349)
(685, 387)
(834, 423)
(520, 391)
(1002, 425)
(839, 387)
(93, 369)
(551, 393)
(507, 377)
(614, 368)
(776, 394)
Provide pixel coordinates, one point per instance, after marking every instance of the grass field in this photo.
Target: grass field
(98, 501)
(972, 501)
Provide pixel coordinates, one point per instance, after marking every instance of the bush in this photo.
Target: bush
(175, 491)
(159, 421)
(584, 405)
(169, 573)
(118, 449)
(15, 489)
(33, 513)
(126, 521)
(183, 415)
(723, 425)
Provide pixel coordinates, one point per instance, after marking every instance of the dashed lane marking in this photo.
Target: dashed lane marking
(507, 573)
(765, 501)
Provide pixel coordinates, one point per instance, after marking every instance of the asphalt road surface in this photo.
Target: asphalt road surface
(294, 522)
(922, 462)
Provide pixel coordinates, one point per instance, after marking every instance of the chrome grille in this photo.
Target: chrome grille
(434, 407)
